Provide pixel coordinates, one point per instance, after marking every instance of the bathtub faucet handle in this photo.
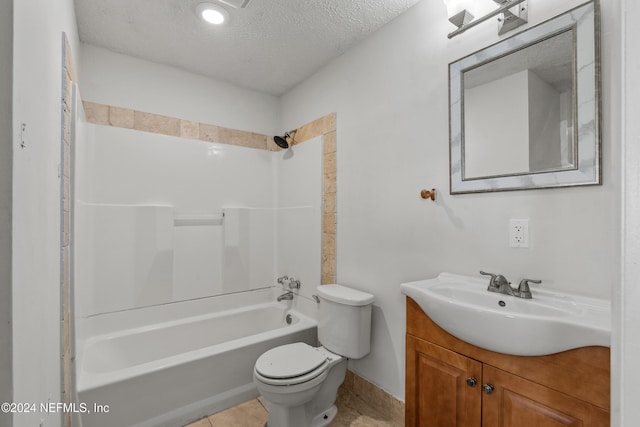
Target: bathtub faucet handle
(283, 279)
(294, 284)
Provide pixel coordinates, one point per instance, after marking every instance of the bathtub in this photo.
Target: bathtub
(178, 369)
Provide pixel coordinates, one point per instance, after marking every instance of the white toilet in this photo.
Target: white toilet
(301, 382)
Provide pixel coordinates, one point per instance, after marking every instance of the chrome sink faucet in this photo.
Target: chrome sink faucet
(501, 285)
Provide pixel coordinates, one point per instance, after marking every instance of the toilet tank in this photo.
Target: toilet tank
(344, 320)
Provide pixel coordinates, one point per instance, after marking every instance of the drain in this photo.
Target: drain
(502, 303)
(288, 319)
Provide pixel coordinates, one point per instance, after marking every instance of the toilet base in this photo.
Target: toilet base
(323, 419)
(319, 411)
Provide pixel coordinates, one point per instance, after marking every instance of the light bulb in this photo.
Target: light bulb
(212, 13)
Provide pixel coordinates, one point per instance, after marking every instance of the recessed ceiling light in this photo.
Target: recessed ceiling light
(212, 13)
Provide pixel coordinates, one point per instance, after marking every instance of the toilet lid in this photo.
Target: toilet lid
(289, 361)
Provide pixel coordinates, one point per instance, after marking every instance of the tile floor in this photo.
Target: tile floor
(352, 412)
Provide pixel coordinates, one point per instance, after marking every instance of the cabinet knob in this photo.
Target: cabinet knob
(471, 381)
(487, 388)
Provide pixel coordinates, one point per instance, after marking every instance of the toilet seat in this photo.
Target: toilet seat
(291, 364)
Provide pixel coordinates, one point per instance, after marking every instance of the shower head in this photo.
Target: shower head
(283, 141)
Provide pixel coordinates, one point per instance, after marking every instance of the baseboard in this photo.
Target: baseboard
(375, 397)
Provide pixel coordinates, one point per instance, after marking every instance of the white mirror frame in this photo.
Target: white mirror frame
(584, 20)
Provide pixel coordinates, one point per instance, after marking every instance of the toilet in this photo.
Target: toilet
(301, 382)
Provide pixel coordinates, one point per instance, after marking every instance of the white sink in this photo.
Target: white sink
(549, 323)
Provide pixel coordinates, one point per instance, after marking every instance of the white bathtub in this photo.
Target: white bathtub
(172, 372)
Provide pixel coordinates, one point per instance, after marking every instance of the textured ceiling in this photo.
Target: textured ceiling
(270, 46)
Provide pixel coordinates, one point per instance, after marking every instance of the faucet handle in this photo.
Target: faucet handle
(294, 284)
(523, 287)
(496, 279)
(525, 283)
(282, 279)
(493, 276)
(492, 282)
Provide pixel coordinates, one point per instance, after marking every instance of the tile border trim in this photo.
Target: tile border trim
(67, 386)
(110, 115)
(326, 127)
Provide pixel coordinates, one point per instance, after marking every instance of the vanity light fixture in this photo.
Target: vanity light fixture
(212, 13)
(513, 14)
(460, 12)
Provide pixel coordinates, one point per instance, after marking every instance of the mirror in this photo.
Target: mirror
(514, 117)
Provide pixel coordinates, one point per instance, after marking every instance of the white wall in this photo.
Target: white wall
(545, 140)
(6, 152)
(37, 71)
(497, 128)
(391, 97)
(114, 79)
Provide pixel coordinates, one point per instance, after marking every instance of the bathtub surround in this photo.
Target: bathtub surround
(324, 127)
(150, 224)
(205, 216)
(184, 181)
(130, 257)
(248, 238)
(6, 162)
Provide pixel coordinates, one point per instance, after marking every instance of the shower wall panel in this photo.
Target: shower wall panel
(163, 219)
(150, 225)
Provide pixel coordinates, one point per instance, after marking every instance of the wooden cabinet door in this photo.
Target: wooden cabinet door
(437, 393)
(516, 402)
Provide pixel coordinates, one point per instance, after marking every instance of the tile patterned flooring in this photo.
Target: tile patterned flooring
(352, 412)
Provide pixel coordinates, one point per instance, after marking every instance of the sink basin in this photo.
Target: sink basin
(549, 323)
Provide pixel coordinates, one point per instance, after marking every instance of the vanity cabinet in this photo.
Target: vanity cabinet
(437, 390)
(450, 383)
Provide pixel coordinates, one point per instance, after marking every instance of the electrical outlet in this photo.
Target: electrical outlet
(519, 233)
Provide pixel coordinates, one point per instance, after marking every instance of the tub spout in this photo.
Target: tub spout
(287, 295)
